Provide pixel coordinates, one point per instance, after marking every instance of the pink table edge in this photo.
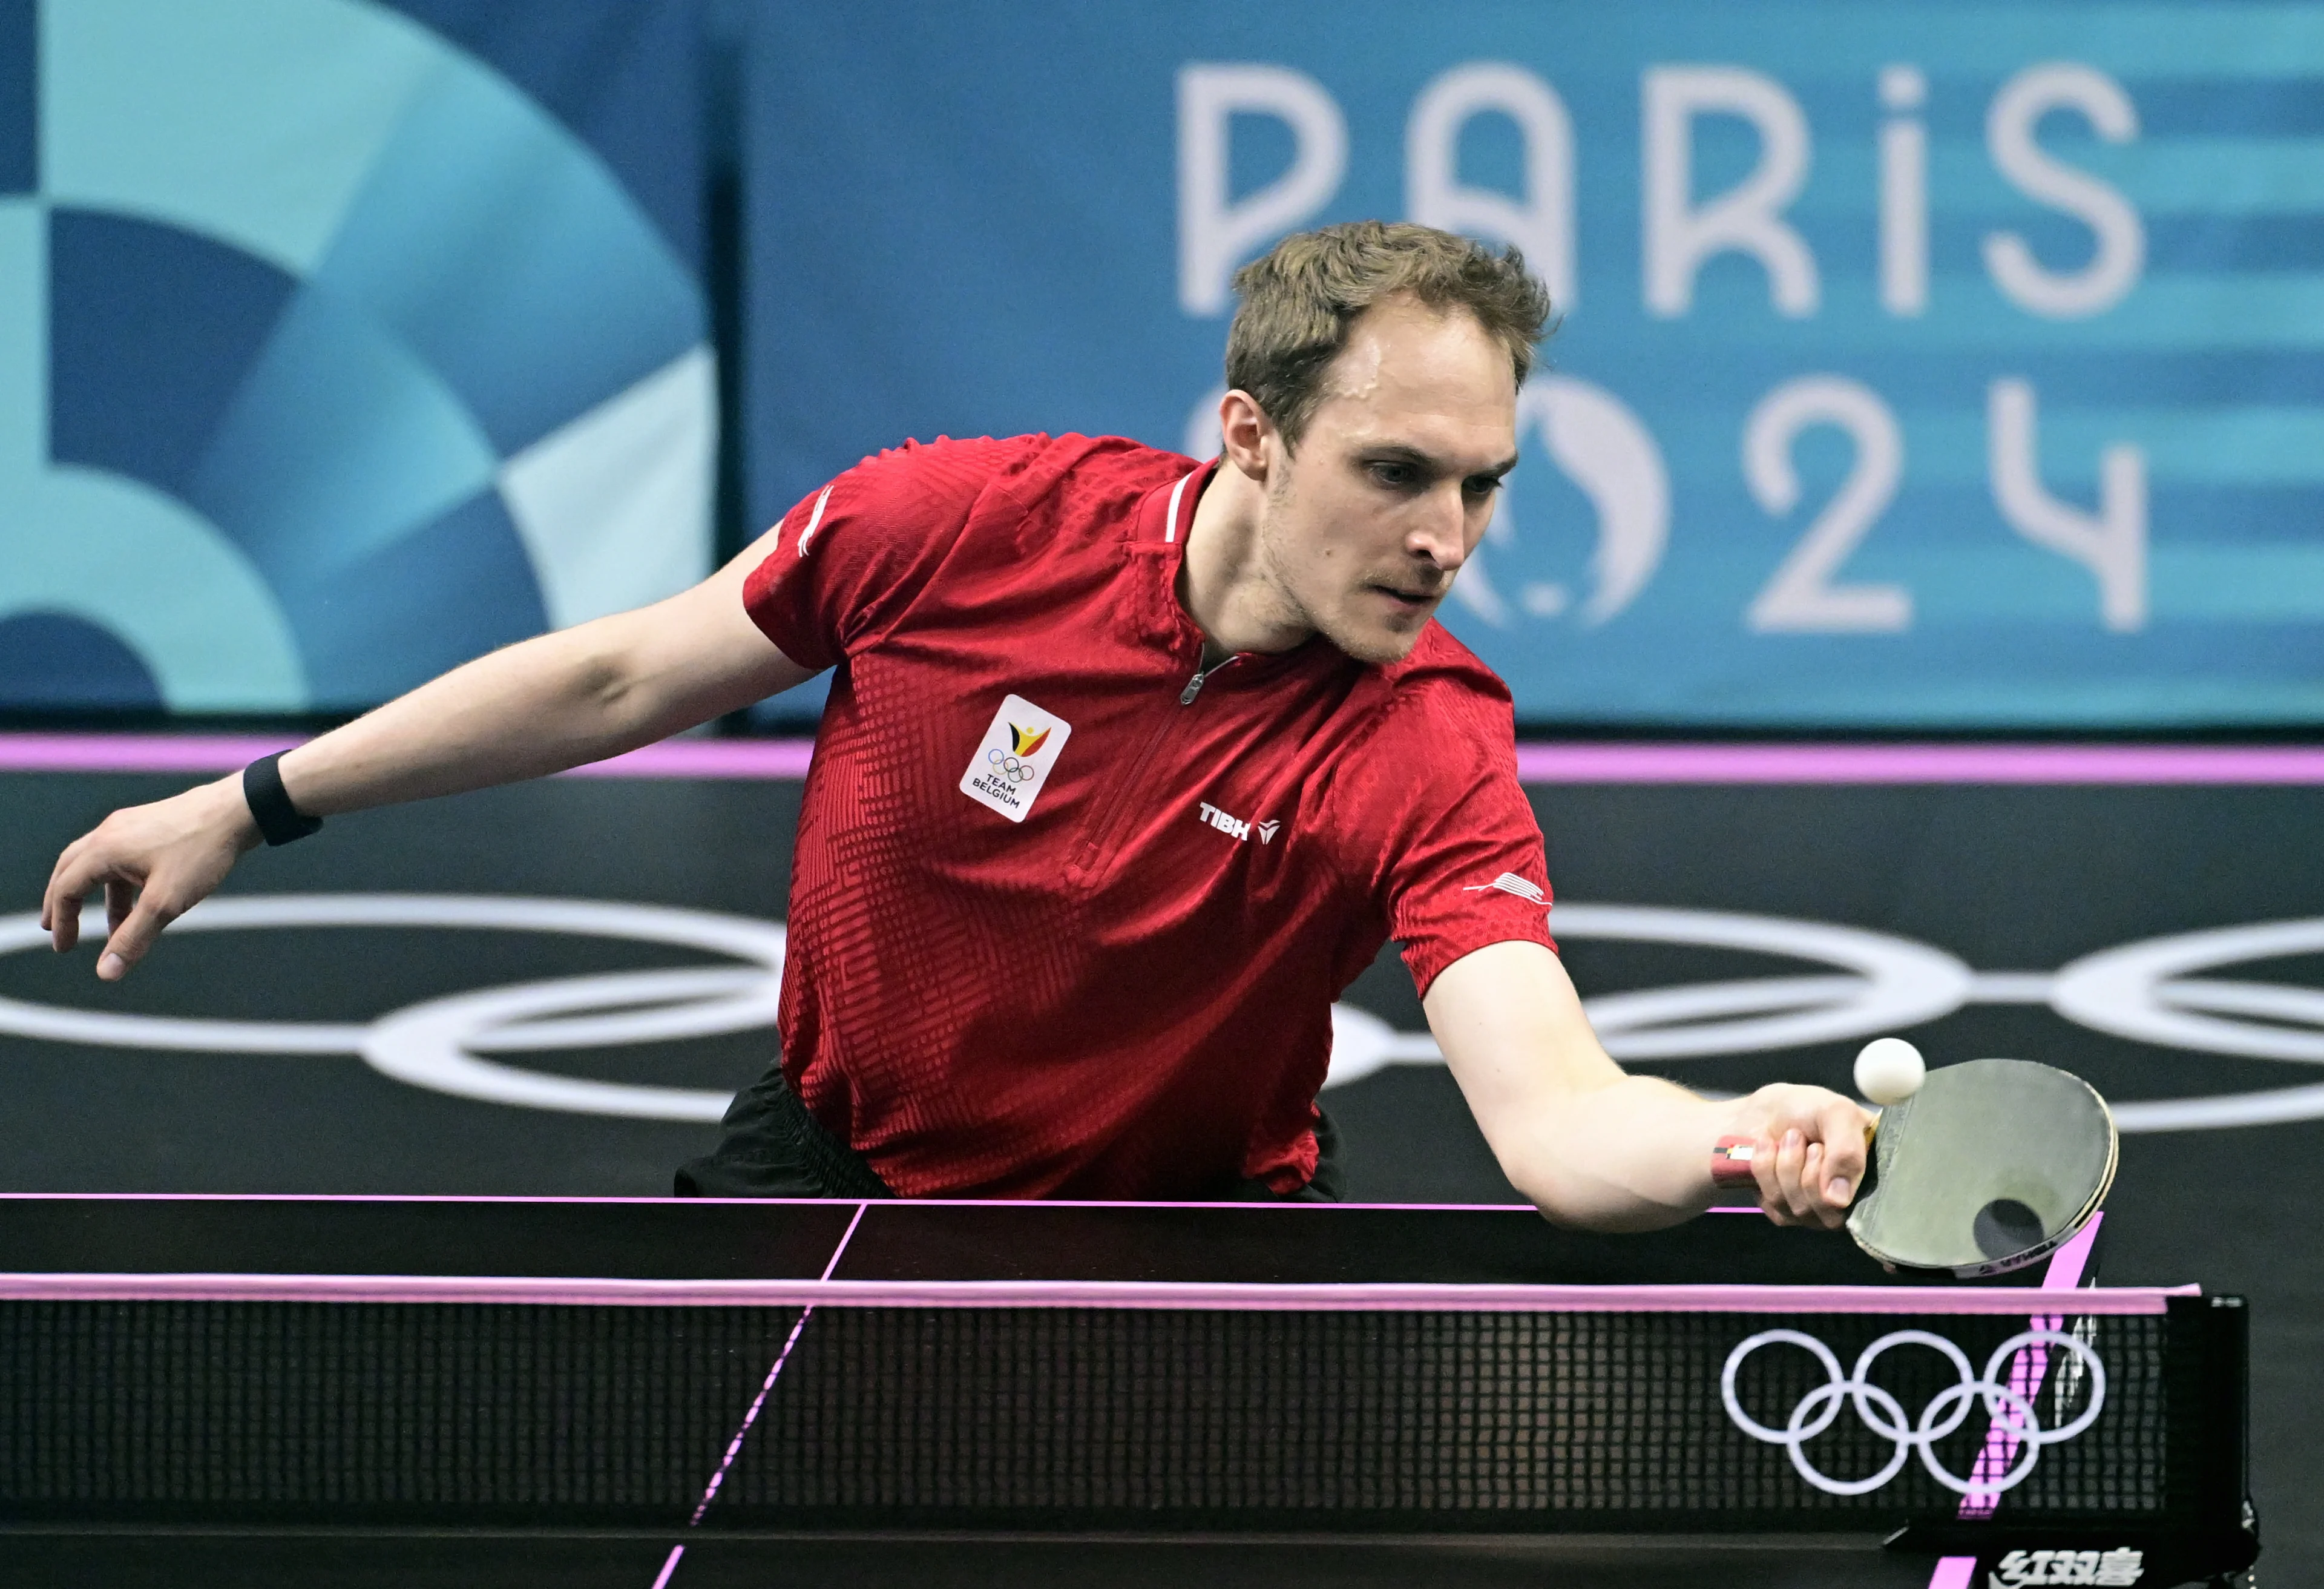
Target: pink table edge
(1675, 762)
(1204, 1295)
(1238, 1207)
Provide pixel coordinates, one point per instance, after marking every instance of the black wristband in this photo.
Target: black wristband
(279, 821)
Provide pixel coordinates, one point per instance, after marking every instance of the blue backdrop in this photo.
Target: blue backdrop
(340, 341)
(1921, 366)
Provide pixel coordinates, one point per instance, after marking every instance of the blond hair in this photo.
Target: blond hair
(1300, 298)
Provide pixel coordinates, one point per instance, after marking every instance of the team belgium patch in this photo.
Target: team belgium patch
(1014, 760)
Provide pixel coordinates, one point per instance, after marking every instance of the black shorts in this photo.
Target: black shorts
(774, 1148)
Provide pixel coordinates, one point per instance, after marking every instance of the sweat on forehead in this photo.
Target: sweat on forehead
(1356, 372)
(1402, 342)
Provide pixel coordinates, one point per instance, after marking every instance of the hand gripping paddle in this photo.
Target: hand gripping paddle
(1989, 1166)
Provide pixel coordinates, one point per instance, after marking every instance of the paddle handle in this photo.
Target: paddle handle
(1730, 1163)
(1730, 1160)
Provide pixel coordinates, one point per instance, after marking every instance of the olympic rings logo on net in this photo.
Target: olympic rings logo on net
(1012, 767)
(2012, 1411)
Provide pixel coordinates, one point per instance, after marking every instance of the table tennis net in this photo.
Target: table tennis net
(256, 1413)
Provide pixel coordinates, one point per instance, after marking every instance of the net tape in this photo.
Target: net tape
(1070, 1416)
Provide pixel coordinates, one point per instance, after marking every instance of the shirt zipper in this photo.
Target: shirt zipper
(1195, 685)
(1098, 853)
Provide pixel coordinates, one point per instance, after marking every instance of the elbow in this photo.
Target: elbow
(1625, 1219)
(1577, 1200)
(610, 685)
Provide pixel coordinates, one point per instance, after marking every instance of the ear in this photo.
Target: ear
(1251, 439)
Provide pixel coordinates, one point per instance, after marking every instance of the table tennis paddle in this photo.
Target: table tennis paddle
(1991, 1164)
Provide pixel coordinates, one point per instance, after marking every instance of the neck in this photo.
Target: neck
(1223, 582)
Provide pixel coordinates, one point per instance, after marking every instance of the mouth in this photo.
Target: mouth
(1408, 601)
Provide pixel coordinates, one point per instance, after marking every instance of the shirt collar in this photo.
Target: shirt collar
(1164, 517)
(1169, 511)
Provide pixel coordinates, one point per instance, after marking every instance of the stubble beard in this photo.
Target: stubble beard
(1376, 644)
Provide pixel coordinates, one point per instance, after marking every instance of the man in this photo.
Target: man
(1130, 765)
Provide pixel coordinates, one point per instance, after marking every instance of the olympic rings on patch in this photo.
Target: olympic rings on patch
(2010, 1408)
(1013, 770)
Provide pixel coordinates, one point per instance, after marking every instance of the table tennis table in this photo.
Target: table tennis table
(795, 1378)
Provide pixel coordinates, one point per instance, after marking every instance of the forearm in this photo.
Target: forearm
(556, 701)
(576, 696)
(1631, 1155)
(1589, 1145)
(1584, 1142)
(548, 703)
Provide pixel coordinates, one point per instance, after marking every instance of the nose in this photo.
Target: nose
(1442, 535)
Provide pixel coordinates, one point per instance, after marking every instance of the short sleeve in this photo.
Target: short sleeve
(1434, 822)
(850, 558)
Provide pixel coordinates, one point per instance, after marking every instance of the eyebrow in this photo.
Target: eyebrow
(1405, 453)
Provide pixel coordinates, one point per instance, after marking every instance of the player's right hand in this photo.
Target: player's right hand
(154, 862)
(1811, 1150)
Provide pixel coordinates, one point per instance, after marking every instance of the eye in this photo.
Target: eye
(1481, 487)
(1394, 474)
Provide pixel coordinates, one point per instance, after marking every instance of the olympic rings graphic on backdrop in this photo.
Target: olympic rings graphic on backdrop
(1015, 770)
(436, 1044)
(1865, 983)
(1884, 1415)
(2141, 991)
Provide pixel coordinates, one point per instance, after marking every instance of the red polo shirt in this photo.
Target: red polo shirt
(1065, 922)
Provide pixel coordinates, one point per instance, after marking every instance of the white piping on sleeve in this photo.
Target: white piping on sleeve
(814, 519)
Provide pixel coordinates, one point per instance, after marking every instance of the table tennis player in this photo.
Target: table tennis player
(1130, 765)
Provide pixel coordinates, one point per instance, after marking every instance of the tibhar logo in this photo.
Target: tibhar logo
(1236, 827)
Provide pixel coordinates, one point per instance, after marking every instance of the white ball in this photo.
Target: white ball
(1889, 1070)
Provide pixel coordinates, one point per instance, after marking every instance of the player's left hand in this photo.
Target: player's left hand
(1808, 1151)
